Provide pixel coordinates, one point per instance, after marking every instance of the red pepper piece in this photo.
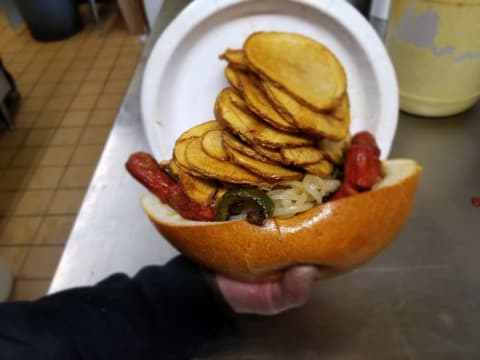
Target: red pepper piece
(146, 170)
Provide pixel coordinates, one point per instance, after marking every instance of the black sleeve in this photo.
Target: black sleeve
(164, 312)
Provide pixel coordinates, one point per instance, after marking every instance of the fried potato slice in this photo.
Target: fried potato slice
(179, 156)
(218, 195)
(182, 141)
(174, 167)
(306, 69)
(236, 58)
(321, 169)
(301, 155)
(342, 111)
(265, 170)
(212, 144)
(250, 128)
(271, 154)
(231, 141)
(210, 167)
(334, 150)
(258, 102)
(232, 77)
(164, 164)
(199, 130)
(197, 189)
(316, 123)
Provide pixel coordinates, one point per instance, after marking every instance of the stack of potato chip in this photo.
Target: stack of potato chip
(285, 114)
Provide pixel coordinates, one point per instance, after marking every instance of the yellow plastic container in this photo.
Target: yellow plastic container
(435, 49)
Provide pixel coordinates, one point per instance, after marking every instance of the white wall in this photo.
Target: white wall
(152, 9)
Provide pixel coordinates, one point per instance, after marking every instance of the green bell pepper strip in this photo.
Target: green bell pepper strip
(258, 205)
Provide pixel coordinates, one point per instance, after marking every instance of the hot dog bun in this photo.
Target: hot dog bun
(336, 236)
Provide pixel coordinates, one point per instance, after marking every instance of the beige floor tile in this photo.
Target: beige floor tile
(46, 54)
(57, 156)
(46, 177)
(28, 290)
(116, 87)
(24, 88)
(121, 74)
(67, 89)
(41, 262)
(80, 65)
(103, 63)
(19, 230)
(83, 103)
(86, 155)
(25, 56)
(75, 118)
(102, 117)
(67, 136)
(89, 53)
(34, 104)
(6, 156)
(60, 103)
(33, 202)
(51, 77)
(128, 62)
(54, 230)
(93, 41)
(91, 88)
(14, 256)
(114, 42)
(41, 89)
(74, 76)
(14, 138)
(49, 119)
(17, 68)
(66, 202)
(95, 135)
(15, 179)
(37, 66)
(58, 65)
(28, 157)
(8, 202)
(65, 55)
(109, 101)
(29, 78)
(109, 52)
(39, 137)
(77, 176)
(97, 75)
(26, 119)
(13, 46)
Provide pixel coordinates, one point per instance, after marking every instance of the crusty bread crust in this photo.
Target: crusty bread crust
(336, 236)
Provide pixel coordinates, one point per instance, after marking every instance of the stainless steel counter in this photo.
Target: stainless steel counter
(420, 299)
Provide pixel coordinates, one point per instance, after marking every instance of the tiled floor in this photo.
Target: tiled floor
(71, 91)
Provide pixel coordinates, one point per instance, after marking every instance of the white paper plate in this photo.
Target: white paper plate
(184, 74)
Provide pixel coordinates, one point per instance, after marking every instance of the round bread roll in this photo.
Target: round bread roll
(336, 236)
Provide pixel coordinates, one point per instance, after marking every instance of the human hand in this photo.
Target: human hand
(291, 291)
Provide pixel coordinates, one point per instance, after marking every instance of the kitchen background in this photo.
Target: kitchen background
(70, 91)
(57, 116)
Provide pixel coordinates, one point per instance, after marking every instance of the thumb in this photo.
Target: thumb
(295, 288)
